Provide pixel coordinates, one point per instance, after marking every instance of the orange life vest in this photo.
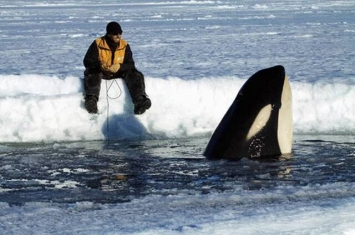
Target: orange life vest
(105, 53)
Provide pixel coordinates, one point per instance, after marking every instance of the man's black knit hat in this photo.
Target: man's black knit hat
(113, 28)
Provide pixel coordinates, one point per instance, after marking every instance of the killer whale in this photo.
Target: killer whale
(259, 122)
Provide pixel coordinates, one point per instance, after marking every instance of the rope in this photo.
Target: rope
(108, 104)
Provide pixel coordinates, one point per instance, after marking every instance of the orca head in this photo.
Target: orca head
(259, 115)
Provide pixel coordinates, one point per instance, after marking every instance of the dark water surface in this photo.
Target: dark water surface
(110, 172)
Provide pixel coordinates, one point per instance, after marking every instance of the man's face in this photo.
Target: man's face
(115, 38)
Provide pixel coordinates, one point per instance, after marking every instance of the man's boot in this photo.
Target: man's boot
(91, 104)
(141, 105)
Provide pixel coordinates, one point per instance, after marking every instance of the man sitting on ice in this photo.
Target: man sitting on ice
(110, 57)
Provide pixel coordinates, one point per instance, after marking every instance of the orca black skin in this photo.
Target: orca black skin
(251, 127)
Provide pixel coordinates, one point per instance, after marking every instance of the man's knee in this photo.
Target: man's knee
(92, 80)
(92, 84)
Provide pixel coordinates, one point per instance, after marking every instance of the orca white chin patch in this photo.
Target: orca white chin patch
(260, 122)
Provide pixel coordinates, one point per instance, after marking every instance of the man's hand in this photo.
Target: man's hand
(104, 68)
(114, 68)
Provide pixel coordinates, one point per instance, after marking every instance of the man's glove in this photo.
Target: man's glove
(104, 68)
(114, 68)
